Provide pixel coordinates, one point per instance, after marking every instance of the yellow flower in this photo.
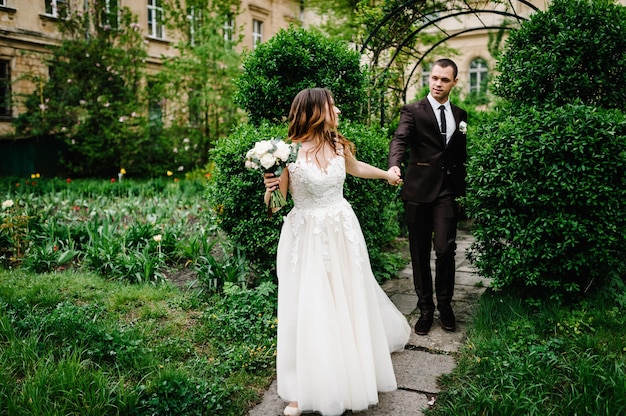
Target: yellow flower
(123, 171)
(32, 176)
(37, 175)
(170, 173)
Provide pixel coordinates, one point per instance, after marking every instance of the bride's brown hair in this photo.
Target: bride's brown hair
(307, 120)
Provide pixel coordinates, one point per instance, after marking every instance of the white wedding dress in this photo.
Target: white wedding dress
(336, 326)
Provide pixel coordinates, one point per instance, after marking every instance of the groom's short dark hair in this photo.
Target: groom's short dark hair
(445, 62)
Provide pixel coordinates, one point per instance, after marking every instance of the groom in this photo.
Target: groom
(433, 131)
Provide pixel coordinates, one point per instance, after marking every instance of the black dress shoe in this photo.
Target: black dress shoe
(447, 319)
(424, 323)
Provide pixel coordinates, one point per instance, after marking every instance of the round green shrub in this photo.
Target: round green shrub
(236, 195)
(547, 188)
(575, 50)
(295, 59)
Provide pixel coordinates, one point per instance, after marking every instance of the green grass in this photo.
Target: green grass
(72, 343)
(539, 360)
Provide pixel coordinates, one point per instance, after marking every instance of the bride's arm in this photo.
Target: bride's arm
(272, 182)
(363, 170)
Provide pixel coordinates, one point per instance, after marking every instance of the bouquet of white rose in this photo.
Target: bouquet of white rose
(272, 156)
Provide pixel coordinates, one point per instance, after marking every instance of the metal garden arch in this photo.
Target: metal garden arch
(395, 35)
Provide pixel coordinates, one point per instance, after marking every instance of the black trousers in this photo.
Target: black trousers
(433, 225)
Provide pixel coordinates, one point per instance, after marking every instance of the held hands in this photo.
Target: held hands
(393, 176)
(271, 182)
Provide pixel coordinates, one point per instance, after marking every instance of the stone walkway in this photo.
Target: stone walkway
(425, 358)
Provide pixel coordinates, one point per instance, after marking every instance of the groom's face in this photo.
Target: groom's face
(441, 82)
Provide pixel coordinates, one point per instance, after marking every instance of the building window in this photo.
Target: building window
(110, 14)
(155, 19)
(195, 22)
(257, 32)
(478, 76)
(426, 68)
(229, 27)
(3, 3)
(155, 106)
(56, 8)
(5, 88)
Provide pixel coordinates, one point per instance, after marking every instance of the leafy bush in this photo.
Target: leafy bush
(237, 197)
(241, 325)
(576, 49)
(553, 360)
(547, 188)
(546, 176)
(92, 99)
(293, 60)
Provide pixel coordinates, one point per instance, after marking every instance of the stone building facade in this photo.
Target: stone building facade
(28, 28)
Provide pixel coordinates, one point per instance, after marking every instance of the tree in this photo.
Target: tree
(547, 172)
(295, 59)
(197, 83)
(575, 50)
(92, 99)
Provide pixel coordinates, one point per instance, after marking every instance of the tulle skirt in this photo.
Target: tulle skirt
(336, 326)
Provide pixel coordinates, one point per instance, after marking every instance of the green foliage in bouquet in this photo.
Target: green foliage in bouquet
(295, 59)
(547, 189)
(237, 197)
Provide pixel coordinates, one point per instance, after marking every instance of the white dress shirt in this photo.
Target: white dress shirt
(450, 121)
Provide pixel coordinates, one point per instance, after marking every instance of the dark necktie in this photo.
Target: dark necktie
(442, 109)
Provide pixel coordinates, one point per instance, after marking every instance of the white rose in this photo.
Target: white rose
(7, 204)
(463, 127)
(267, 160)
(262, 147)
(251, 165)
(282, 151)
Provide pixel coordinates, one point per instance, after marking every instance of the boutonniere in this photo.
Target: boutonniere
(463, 127)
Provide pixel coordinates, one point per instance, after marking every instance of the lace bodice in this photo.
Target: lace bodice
(319, 206)
(312, 187)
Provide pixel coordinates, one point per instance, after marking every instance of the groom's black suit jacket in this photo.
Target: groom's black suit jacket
(428, 159)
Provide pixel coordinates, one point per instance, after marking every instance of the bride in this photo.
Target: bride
(336, 326)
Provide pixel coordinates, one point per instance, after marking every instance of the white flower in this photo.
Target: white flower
(283, 150)
(463, 127)
(267, 160)
(157, 238)
(262, 147)
(251, 165)
(7, 204)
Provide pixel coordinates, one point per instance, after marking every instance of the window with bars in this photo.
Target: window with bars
(155, 106)
(257, 32)
(5, 88)
(425, 80)
(478, 76)
(194, 16)
(155, 19)
(109, 16)
(56, 8)
(229, 28)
